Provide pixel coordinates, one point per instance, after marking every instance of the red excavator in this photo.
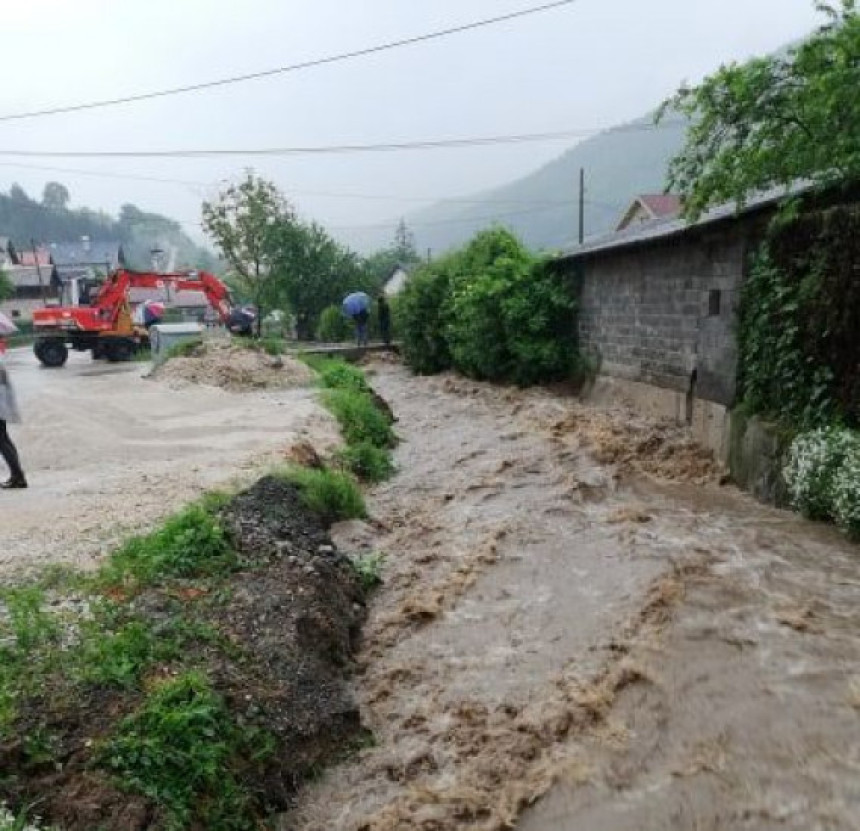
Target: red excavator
(106, 327)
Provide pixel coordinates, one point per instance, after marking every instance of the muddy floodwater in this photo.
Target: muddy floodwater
(581, 629)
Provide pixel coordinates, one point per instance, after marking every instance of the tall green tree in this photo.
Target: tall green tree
(242, 222)
(773, 121)
(55, 196)
(312, 271)
(402, 251)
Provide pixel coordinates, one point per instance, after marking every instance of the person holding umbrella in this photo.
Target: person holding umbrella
(8, 413)
(357, 306)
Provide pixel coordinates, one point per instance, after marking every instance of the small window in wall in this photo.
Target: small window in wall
(16, 313)
(714, 300)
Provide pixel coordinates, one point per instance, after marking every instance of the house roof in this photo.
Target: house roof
(661, 204)
(27, 276)
(78, 253)
(668, 227)
(29, 258)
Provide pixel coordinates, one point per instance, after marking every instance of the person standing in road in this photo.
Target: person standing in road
(384, 319)
(361, 318)
(9, 414)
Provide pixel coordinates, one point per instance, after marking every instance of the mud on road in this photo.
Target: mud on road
(109, 453)
(580, 629)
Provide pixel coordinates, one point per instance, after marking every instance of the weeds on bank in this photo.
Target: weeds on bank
(332, 494)
(270, 345)
(177, 750)
(368, 567)
(359, 418)
(189, 544)
(368, 462)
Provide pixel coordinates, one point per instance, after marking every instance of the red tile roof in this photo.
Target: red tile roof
(662, 204)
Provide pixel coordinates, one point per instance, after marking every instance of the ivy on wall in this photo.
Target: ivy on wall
(799, 323)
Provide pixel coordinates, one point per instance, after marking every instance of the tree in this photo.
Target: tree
(312, 271)
(402, 251)
(242, 222)
(404, 244)
(18, 194)
(773, 121)
(55, 196)
(7, 289)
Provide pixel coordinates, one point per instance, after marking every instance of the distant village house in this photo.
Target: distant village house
(648, 207)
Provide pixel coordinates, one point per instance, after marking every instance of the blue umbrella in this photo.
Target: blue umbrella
(356, 302)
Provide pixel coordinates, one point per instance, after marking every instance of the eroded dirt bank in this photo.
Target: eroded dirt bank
(556, 624)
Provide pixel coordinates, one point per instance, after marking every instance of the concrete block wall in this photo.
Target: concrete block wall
(645, 312)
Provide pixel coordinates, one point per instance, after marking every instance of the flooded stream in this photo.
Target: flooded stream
(564, 641)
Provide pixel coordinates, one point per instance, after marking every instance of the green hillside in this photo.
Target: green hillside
(541, 207)
(23, 219)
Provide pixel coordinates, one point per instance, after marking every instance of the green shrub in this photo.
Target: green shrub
(329, 493)
(509, 317)
(333, 327)
(359, 418)
(420, 318)
(815, 463)
(491, 310)
(368, 462)
(343, 376)
(189, 544)
(177, 751)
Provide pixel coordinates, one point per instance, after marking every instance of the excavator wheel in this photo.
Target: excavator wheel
(51, 352)
(119, 349)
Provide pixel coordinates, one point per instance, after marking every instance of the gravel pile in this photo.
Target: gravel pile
(234, 367)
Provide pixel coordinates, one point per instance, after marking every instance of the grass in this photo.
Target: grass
(176, 749)
(179, 747)
(189, 544)
(330, 493)
(273, 346)
(366, 429)
(185, 348)
(335, 374)
(367, 461)
(359, 418)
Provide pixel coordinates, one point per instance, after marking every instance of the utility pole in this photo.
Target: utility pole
(38, 271)
(581, 205)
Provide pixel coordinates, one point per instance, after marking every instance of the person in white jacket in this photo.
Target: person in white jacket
(9, 414)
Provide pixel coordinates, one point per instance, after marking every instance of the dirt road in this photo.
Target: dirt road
(108, 452)
(564, 643)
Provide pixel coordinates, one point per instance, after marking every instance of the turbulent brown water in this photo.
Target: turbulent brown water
(565, 641)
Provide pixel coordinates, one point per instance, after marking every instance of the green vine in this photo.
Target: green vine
(799, 319)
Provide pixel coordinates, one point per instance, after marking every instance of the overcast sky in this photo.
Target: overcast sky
(591, 64)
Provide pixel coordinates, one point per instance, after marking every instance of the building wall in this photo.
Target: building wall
(648, 313)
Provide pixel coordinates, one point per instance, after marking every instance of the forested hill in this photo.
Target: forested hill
(542, 207)
(49, 219)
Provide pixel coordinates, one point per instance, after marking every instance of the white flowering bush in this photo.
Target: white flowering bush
(822, 474)
(810, 467)
(846, 493)
(9, 822)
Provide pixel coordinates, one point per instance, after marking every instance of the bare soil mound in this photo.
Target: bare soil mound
(274, 638)
(234, 367)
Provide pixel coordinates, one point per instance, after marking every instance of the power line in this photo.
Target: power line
(103, 174)
(387, 147)
(468, 220)
(296, 67)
